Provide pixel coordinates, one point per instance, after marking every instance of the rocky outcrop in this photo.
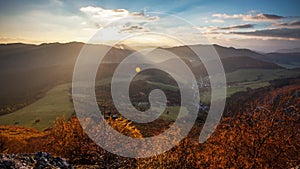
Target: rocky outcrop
(39, 160)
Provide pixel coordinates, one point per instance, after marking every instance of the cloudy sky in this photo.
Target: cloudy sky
(254, 24)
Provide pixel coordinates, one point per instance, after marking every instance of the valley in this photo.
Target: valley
(50, 81)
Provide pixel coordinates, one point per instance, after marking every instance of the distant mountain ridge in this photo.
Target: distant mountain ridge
(287, 60)
(295, 50)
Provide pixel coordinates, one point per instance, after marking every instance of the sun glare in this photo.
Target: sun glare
(137, 69)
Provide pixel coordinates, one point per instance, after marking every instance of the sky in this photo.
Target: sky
(258, 25)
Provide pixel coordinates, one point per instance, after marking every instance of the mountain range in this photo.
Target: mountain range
(28, 70)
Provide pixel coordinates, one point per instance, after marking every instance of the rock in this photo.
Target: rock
(37, 160)
(8, 163)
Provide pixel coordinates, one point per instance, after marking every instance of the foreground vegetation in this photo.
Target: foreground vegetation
(263, 134)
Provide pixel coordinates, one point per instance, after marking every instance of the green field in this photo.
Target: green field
(171, 113)
(257, 75)
(205, 96)
(164, 86)
(56, 103)
(251, 75)
(42, 113)
(242, 79)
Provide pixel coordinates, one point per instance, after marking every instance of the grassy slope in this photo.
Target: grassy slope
(249, 75)
(55, 103)
(250, 78)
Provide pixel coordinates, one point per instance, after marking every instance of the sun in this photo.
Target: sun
(137, 69)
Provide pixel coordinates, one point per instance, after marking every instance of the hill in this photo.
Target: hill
(43, 113)
(294, 50)
(288, 60)
(28, 72)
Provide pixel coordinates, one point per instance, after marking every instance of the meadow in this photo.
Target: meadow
(42, 113)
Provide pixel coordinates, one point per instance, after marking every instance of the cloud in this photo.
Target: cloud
(102, 17)
(60, 27)
(243, 26)
(284, 33)
(217, 21)
(250, 17)
(56, 2)
(288, 24)
(104, 13)
(215, 29)
(262, 16)
(133, 28)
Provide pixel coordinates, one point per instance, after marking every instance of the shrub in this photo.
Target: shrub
(68, 139)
